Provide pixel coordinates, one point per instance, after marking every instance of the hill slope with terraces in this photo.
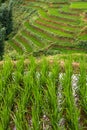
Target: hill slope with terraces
(43, 65)
(56, 24)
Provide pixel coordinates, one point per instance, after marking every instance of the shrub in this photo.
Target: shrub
(83, 44)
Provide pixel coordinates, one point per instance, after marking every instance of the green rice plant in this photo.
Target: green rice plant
(30, 93)
(36, 107)
(16, 46)
(43, 14)
(71, 112)
(50, 103)
(33, 38)
(7, 106)
(18, 80)
(79, 5)
(25, 94)
(55, 69)
(82, 83)
(55, 12)
(55, 24)
(5, 78)
(44, 70)
(52, 31)
(53, 113)
(25, 42)
(6, 71)
(18, 73)
(19, 116)
(35, 30)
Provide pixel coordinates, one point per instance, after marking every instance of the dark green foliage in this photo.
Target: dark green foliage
(2, 1)
(52, 52)
(2, 36)
(5, 25)
(6, 18)
(83, 44)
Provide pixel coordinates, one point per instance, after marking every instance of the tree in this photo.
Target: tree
(6, 18)
(5, 25)
(2, 37)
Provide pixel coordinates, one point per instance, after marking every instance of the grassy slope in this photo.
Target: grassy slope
(29, 97)
(47, 27)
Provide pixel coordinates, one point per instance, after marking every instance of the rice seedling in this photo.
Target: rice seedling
(83, 85)
(5, 78)
(71, 112)
(30, 95)
(36, 107)
(7, 106)
(82, 92)
(53, 112)
(18, 79)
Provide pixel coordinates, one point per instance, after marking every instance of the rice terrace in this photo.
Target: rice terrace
(43, 64)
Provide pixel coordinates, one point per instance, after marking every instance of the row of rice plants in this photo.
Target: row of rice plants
(16, 46)
(35, 30)
(51, 30)
(37, 96)
(33, 38)
(82, 92)
(49, 37)
(57, 26)
(38, 35)
(72, 21)
(56, 12)
(67, 9)
(79, 5)
(22, 96)
(53, 27)
(44, 14)
(71, 112)
(68, 12)
(25, 42)
(82, 37)
(6, 94)
(57, 23)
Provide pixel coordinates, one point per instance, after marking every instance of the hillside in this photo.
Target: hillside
(40, 25)
(43, 65)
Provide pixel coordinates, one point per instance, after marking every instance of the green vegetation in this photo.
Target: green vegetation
(79, 5)
(5, 25)
(38, 96)
(2, 37)
(46, 23)
(43, 67)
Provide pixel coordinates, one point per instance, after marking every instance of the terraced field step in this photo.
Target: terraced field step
(53, 31)
(59, 13)
(64, 47)
(56, 25)
(16, 45)
(44, 14)
(73, 27)
(25, 42)
(52, 22)
(71, 13)
(33, 38)
(64, 19)
(47, 34)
